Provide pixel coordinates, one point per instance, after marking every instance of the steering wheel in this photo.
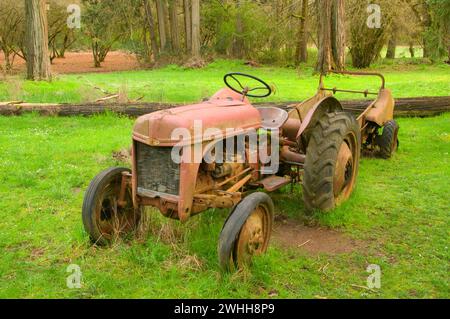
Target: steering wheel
(244, 90)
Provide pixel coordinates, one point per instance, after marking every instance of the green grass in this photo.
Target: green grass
(400, 211)
(176, 84)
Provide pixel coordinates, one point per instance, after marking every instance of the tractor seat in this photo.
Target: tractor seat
(272, 117)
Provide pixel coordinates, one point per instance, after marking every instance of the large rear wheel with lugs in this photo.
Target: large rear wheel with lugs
(332, 161)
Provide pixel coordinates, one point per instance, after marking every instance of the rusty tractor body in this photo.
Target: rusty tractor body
(318, 145)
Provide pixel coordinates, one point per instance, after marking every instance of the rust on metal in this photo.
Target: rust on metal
(125, 183)
(272, 183)
(182, 190)
(199, 183)
(254, 236)
(239, 184)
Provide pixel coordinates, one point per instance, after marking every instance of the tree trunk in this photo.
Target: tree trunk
(302, 48)
(167, 25)
(7, 55)
(161, 25)
(96, 54)
(411, 49)
(8, 66)
(187, 24)
(338, 34)
(448, 51)
(447, 40)
(238, 45)
(417, 106)
(274, 41)
(151, 28)
(324, 33)
(196, 29)
(392, 43)
(427, 51)
(392, 46)
(38, 60)
(173, 13)
(66, 44)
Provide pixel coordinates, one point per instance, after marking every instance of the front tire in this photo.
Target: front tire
(246, 233)
(332, 161)
(103, 219)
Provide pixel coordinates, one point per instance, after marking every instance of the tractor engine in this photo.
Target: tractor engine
(220, 175)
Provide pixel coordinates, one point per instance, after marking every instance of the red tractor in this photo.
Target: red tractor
(315, 143)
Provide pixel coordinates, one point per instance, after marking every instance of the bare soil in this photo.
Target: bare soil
(83, 62)
(291, 234)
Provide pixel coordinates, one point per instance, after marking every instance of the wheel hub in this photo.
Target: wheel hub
(112, 219)
(256, 241)
(343, 173)
(254, 236)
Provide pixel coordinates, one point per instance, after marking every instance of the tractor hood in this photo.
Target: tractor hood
(192, 121)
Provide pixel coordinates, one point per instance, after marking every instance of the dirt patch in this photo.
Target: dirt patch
(83, 62)
(313, 240)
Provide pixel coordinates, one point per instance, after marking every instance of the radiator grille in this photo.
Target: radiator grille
(155, 169)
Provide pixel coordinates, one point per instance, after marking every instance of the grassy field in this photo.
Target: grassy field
(399, 213)
(398, 216)
(405, 77)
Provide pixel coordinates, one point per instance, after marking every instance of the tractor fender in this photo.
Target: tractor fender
(383, 108)
(328, 104)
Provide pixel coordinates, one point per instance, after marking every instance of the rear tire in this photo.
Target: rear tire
(332, 161)
(103, 219)
(388, 141)
(246, 233)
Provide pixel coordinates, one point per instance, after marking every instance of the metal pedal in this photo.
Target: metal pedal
(274, 182)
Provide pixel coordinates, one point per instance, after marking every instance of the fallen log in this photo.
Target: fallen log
(404, 107)
(418, 106)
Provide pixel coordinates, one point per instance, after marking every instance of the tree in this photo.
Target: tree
(302, 43)
(60, 36)
(238, 43)
(424, 11)
(405, 27)
(366, 42)
(338, 33)
(331, 35)
(38, 59)
(173, 14)
(104, 24)
(167, 25)
(196, 29)
(11, 31)
(438, 32)
(324, 36)
(187, 24)
(392, 43)
(162, 25)
(427, 26)
(151, 28)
